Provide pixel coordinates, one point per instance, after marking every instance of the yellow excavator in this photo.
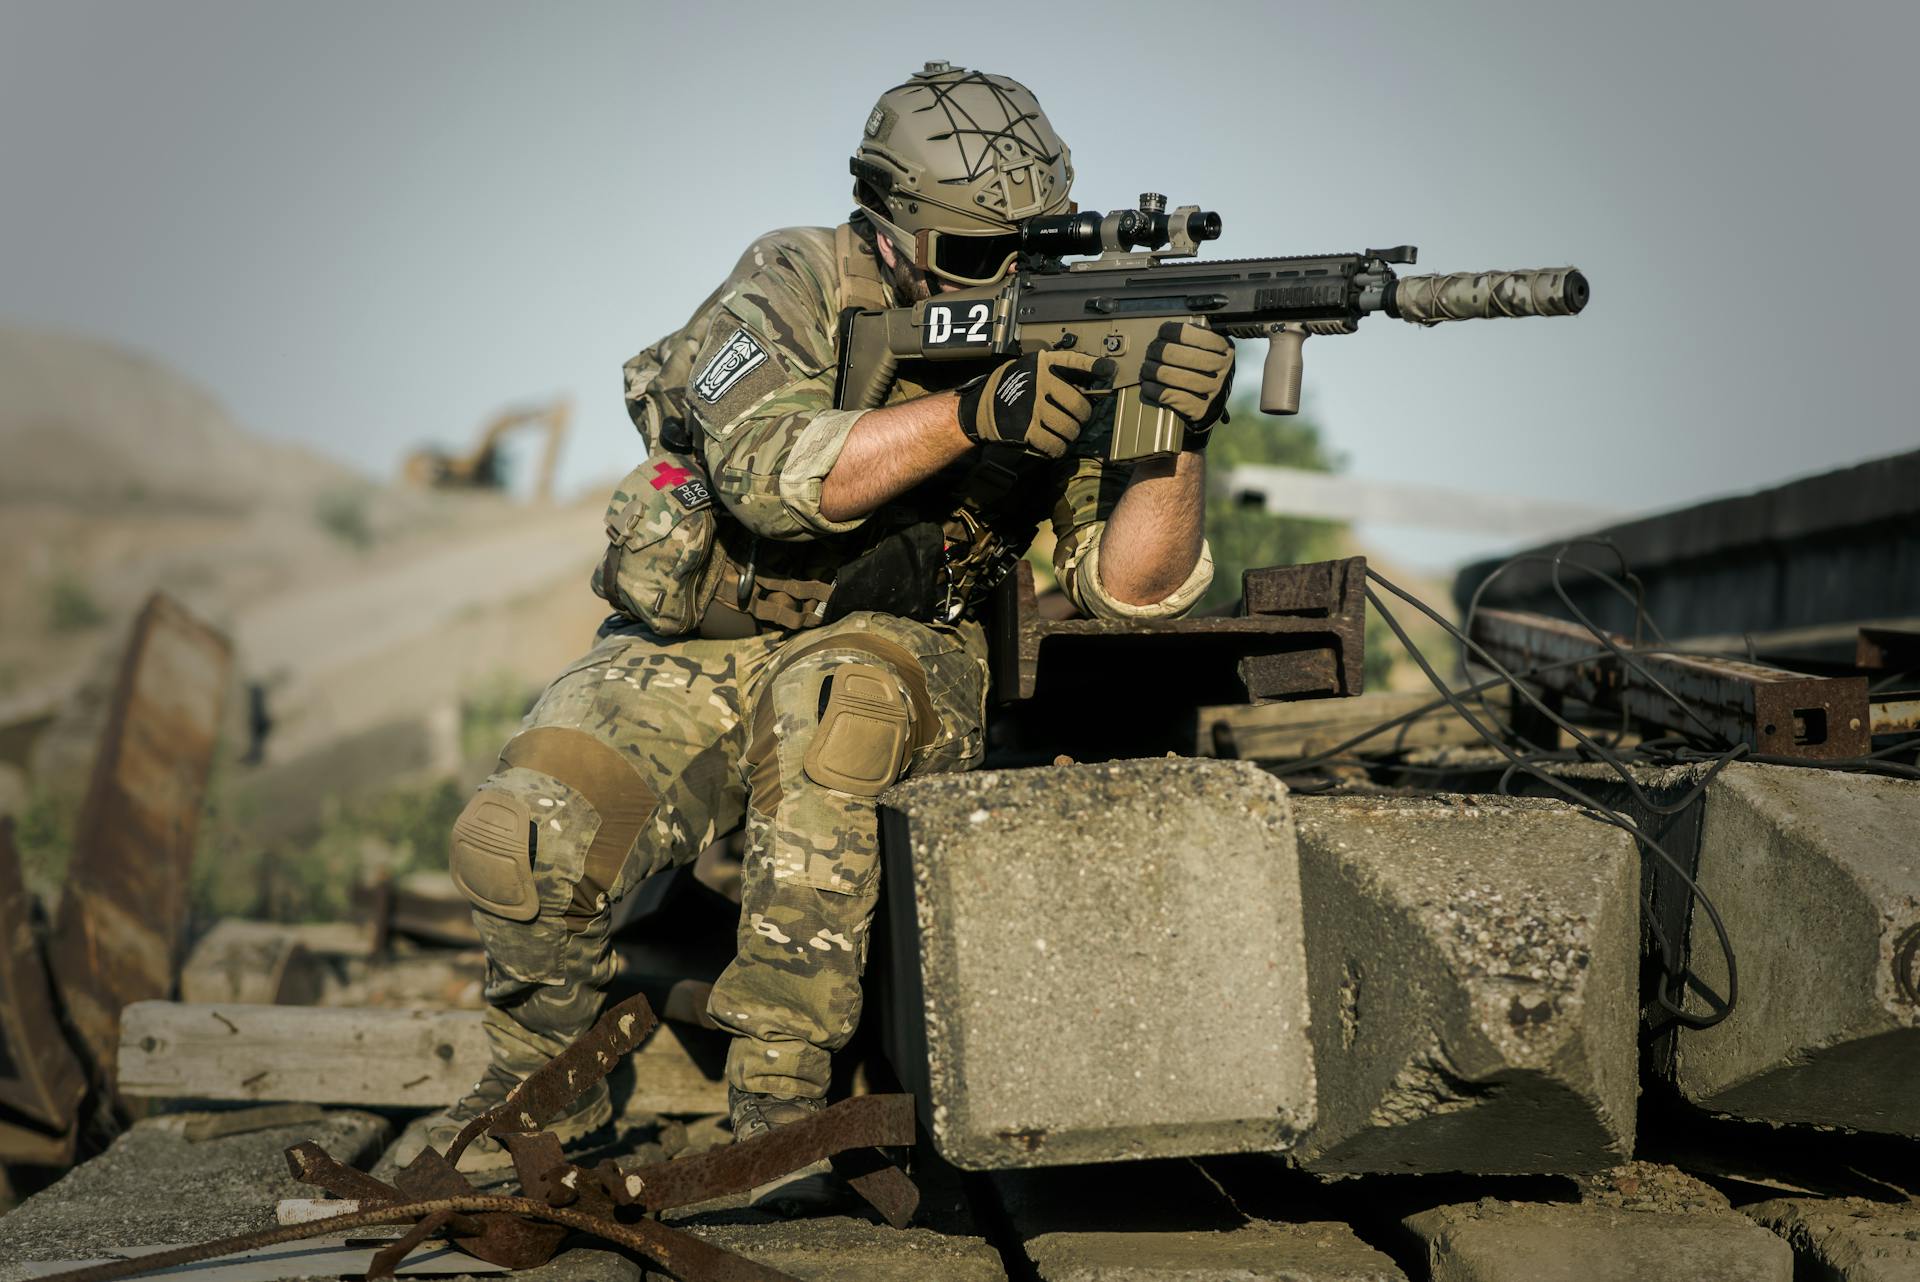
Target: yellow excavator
(483, 468)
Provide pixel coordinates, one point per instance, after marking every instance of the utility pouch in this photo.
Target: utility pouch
(904, 574)
(660, 569)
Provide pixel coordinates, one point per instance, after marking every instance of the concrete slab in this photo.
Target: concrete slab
(1171, 1222)
(1846, 1239)
(1638, 1222)
(1817, 876)
(153, 1185)
(1096, 963)
(840, 1249)
(1314, 1252)
(1473, 968)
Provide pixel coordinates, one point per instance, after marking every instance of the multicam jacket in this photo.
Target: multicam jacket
(752, 376)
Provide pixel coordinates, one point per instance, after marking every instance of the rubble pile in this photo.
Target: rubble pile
(1456, 1004)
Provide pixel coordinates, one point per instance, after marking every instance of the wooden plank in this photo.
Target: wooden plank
(1289, 731)
(118, 936)
(327, 1055)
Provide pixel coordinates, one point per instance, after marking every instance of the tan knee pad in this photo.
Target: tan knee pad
(492, 856)
(865, 732)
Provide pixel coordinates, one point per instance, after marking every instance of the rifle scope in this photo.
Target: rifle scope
(1089, 232)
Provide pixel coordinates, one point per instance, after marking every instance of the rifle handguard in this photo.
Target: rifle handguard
(1547, 291)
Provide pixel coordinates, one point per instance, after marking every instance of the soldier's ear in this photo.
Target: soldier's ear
(883, 246)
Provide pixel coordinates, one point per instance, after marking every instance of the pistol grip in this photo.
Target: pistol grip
(1280, 377)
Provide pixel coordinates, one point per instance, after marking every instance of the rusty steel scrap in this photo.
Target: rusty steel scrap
(121, 919)
(1774, 712)
(1300, 634)
(558, 1197)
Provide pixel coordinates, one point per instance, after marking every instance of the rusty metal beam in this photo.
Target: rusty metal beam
(864, 1122)
(1773, 711)
(122, 916)
(1887, 649)
(1896, 714)
(1301, 635)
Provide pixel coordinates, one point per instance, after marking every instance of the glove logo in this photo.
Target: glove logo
(739, 357)
(1014, 386)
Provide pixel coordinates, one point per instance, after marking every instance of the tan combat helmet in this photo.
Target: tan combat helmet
(950, 164)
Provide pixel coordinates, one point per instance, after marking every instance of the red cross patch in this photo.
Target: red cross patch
(665, 474)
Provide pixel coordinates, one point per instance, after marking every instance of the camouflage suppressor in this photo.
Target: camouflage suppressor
(1114, 304)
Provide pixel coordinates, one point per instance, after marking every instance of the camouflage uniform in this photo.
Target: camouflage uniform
(648, 748)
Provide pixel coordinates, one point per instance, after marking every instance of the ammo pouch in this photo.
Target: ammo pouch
(659, 568)
(904, 574)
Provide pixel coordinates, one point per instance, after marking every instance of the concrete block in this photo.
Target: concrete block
(1491, 1241)
(1171, 1222)
(1473, 968)
(841, 1249)
(1817, 876)
(1321, 1251)
(1094, 963)
(153, 1185)
(1846, 1239)
(1636, 1223)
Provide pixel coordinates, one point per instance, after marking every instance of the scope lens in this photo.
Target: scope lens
(1205, 226)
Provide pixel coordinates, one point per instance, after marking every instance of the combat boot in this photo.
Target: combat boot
(813, 1189)
(591, 1112)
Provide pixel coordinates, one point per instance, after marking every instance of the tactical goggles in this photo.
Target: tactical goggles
(967, 258)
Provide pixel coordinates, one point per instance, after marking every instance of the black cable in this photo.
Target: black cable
(1580, 736)
(1677, 972)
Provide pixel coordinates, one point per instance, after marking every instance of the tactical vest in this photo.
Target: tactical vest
(754, 582)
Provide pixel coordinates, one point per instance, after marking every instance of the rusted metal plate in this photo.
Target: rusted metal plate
(1896, 714)
(118, 936)
(40, 1079)
(546, 1092)
(1773, 711)
(866, 1121)
(1888, 649)
(886, 1188)
(1301, 635)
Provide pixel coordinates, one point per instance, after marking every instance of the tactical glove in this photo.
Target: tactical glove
(1189, 370)
(1034, 401)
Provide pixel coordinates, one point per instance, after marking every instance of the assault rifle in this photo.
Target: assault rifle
(1114, 304)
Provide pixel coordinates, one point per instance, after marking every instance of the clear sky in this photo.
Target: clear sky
(364, 226)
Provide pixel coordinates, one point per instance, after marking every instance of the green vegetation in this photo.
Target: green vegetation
(312, 875)
(70, 607)
(491, 713)
(343, 514)
(43, 834)
(1247, 538)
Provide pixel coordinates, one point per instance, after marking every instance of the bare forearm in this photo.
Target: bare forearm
(1152, 540)
(891, 450)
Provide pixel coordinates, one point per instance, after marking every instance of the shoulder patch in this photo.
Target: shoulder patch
(739, 356)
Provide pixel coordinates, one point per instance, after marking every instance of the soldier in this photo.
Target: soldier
(829, 596)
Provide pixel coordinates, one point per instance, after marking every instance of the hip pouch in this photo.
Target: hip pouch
(660, 569)
(903, 574)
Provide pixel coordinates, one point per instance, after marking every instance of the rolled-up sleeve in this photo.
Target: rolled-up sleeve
(1089, 492)
(768, 464)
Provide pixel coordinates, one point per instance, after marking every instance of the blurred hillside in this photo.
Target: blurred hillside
(374, 626)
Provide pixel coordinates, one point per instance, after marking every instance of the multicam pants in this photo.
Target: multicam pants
(643, 752)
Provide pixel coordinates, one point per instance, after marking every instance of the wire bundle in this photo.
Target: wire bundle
(1534, 760)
